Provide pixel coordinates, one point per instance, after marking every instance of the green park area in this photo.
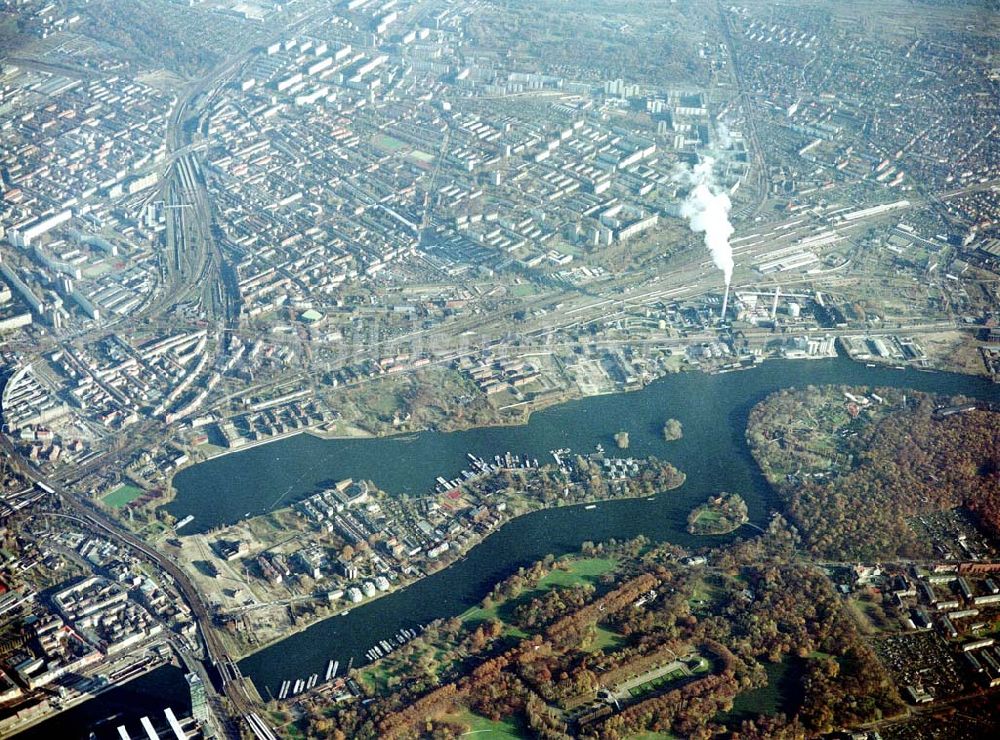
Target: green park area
(570, 572)
(431, 654)
(422, 157)
(123, 496)
(482, 727)
(389, 143)
(719, 515)
(605, 639)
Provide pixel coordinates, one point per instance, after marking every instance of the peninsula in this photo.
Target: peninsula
(272, 574)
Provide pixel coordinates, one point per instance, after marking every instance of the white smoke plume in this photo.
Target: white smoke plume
(707, 211)
(725, 139)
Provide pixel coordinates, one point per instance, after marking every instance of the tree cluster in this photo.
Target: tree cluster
(764, 610)
(908, 462)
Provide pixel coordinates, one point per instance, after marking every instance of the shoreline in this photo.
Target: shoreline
(170, 493)
(523, 420)
(83, 699)
(312, 431)
(520, 422)
(463, 554)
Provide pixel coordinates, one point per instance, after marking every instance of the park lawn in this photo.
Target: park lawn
(374, 677)
(833, 418)
(708, 516)
(478, 614)
(824, 447)
(605, 639)
(429, 658)
(480, 726)
(710, 521)
(389, 143)
(656, 683)
(862, 615)
(580, 571)
(122, 496)
(703, 593)
(674, 363)
(384, 405)
(286, 725)
(152, 529)
(292, 731)
(377, 675)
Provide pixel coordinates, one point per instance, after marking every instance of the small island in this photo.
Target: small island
(672, 430)
(621, 439)
(721, 514)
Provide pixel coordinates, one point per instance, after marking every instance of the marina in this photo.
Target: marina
(219, 491)
(697, 400)
(384, 647)
(294, 687)
(481, 468)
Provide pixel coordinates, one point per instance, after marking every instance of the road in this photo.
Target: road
(84, 510)
(194, 270)
(196, 267)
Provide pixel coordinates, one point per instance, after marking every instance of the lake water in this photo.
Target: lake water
(713, 454)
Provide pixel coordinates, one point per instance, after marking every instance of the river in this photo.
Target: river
(713, 454)
(712, 408)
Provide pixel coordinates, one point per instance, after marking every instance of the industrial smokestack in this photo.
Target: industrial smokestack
(706, 209)
(725, 303)
(725, 139)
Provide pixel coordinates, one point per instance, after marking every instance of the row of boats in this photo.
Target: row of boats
(304, 684)
(384, 647)
(506, 461)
